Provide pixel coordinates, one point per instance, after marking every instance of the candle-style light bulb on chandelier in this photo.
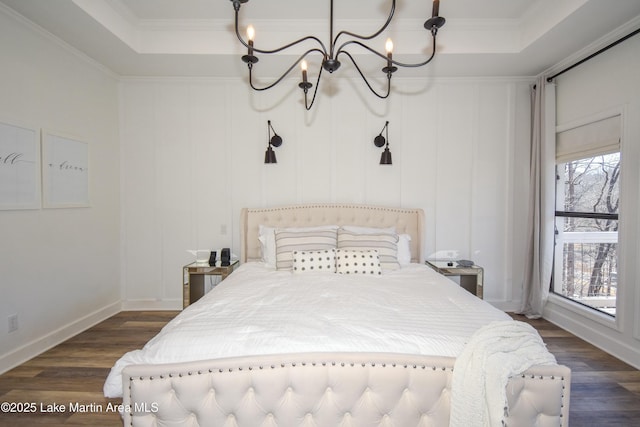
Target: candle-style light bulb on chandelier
(330, 57)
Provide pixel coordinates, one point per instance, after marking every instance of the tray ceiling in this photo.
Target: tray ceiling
(196, 38)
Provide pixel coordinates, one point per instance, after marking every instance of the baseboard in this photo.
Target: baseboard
(605, 338)
(39, 345)
(152, 305)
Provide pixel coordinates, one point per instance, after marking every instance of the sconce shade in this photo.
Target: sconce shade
(270, 156)
(385, 159)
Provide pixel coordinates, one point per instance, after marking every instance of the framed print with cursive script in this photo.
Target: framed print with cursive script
(19, 167)
(65, 171)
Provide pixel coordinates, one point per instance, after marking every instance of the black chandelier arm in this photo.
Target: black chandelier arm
(374, 35)
(304, 55)
(375, 52)
(419, 64)
(308, 106)
(393, 61)
(280, 49)
(366, 81)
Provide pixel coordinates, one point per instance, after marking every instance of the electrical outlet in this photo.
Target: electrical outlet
(223, 229)
(13, 323)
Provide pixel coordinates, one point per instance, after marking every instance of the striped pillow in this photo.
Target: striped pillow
(386, 244)
(289, 241)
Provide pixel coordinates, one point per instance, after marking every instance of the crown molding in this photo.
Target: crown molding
(6, 10)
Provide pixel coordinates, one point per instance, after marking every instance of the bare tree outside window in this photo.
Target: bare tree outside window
(586, 263)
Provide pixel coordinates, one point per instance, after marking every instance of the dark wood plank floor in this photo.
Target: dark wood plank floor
(74, 372)
(605, 391)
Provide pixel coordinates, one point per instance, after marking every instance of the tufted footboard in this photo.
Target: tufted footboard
(324, 389)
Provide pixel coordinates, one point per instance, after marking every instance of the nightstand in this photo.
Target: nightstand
(471, 278)
(193, 276)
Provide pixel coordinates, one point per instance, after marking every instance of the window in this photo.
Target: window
(587, 203)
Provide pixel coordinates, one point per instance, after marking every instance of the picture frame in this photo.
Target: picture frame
(20, 156)
(65, 171)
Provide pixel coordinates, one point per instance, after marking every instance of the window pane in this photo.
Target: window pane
(587, 262)
(586, 258)
(591, 185)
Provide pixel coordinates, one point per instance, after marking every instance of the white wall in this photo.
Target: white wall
(59, 268)
(607, 83)
(193, 150)
(173, 161)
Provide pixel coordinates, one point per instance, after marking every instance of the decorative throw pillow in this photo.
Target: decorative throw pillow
(289, 241)
(314, 261)
(386, 245)
(267, 238)
(357, 262)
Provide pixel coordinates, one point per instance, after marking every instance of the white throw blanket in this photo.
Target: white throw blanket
(494, 353)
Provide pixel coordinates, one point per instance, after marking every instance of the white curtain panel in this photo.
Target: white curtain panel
(540, 224)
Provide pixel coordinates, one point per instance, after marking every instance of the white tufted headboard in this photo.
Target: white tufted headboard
(406, 220)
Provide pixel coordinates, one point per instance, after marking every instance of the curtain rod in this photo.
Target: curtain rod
(549, 79)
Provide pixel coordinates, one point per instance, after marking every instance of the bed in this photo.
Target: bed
(279, 343)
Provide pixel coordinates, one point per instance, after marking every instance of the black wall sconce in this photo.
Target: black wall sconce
(272, 141)
(380, 141)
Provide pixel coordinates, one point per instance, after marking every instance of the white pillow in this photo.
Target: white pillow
(357, 262)
(288, 241)
(314, 261)
(404, 249)
(385, 244)
(267, 238)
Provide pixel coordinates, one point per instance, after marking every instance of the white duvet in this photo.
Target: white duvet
(257, 310)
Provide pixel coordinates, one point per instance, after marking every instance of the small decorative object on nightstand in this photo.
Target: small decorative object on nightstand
(471, 275)
(225, 257)
(193, 278)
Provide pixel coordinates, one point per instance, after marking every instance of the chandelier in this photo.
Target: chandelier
(330, 57)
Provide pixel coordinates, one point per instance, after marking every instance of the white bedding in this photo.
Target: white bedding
(258, 310)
